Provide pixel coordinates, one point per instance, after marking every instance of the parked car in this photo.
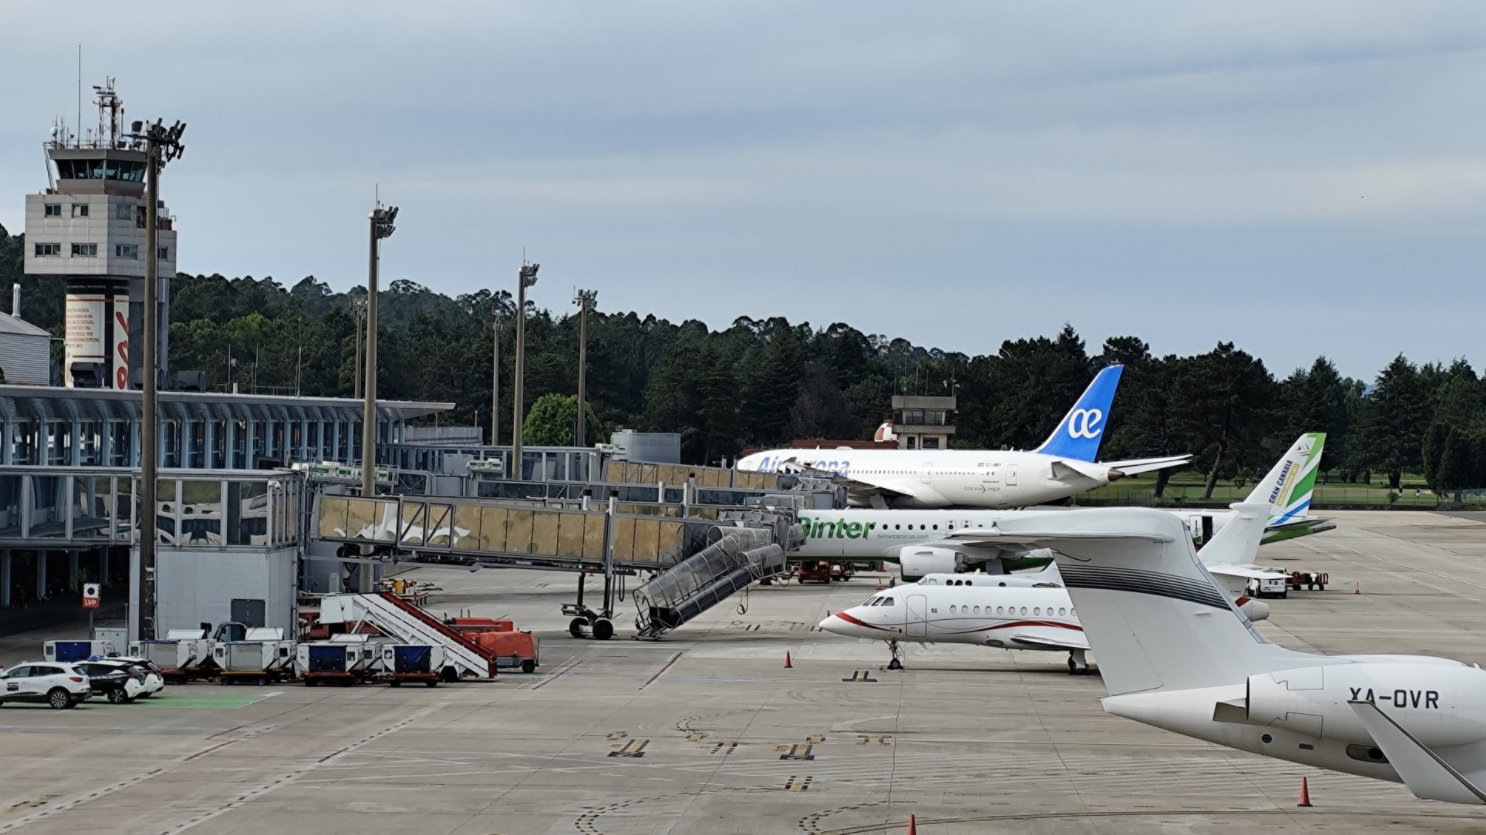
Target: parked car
(154, 676)
(62, 686)
(118, 682)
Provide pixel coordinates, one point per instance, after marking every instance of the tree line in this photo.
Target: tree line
(761, 382)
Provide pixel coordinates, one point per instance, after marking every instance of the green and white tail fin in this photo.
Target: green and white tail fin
(1290, 483)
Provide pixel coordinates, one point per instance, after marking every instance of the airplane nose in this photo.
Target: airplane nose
(831, 623)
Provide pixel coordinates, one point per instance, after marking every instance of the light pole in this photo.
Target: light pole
(586, 299)
(527, 277)
(495, 378)
(162, 145)
(382, 219)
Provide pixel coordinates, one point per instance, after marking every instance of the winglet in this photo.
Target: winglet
(1079, 433)
(1426, 773)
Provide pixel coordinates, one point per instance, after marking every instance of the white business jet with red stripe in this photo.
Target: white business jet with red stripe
(1063, 466)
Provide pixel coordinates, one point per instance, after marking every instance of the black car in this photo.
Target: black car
(116, 681)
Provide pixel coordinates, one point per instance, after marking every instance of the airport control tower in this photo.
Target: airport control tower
(88, 229)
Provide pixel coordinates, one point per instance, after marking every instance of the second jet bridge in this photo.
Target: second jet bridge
(598, 540)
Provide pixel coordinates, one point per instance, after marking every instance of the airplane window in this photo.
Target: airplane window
(936, 527)
(1024, 608)
(977, 610)
(1062, 611)
(1073, 613)
(951, 610)
(1000, 610)
(969, 582)
(1037, 611)
(888, 601)
(951, 525)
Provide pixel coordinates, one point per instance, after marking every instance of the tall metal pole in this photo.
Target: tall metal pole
(525, 278)
(382, 219)
(495, 382)
(162, 144)
(586, 299)
(359, 308)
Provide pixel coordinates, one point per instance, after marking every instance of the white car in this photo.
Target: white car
(118, 682)
(62, 686)
(154, 679)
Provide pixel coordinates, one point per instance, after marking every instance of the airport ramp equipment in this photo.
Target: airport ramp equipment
(408, 624)
(737, 557)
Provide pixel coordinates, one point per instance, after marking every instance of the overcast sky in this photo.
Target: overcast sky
(1299, 178)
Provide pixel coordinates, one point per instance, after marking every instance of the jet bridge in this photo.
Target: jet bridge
(587, 538)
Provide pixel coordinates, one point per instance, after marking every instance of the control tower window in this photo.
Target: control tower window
(85, 250)
(54, 210)
(48, 250)
(129, 172)
(79, 209)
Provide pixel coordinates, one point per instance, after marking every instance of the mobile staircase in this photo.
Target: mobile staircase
(735, 559)
(464, 658)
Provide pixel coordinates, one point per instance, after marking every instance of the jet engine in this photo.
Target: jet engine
(1254, 610)
(922, 560)
(1437, 704)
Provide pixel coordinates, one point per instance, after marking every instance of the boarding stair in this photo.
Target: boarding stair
(409, 624)
(736, 558)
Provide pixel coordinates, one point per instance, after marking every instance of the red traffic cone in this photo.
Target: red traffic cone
(787, 665)
(1358, 588)
(879, 584)
(1305, 794)
(912, 825)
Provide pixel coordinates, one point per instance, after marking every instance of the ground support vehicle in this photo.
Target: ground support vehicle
(61, 686)
(412, 663)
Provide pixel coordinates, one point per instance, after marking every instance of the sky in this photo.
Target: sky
(1297, 178)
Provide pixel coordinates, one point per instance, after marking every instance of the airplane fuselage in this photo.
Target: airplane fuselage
(941, 478)
(985, 610)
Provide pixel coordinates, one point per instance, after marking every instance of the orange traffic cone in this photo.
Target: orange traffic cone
(1358, 589)
(879, 584)
(1305, 794)
(787, 665)
(912, 825)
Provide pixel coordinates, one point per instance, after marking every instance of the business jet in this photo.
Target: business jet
(1012, 611)
(925, 542)
(930, 478)
(1176, 653)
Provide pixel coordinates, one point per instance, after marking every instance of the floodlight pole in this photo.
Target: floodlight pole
(382, 219)
(495, 379)
(586, 299)
(526, 277)
(162, 145)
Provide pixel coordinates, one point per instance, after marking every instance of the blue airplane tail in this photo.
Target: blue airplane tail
(1081, 430)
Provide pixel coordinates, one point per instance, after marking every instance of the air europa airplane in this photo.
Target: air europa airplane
(1063, 466)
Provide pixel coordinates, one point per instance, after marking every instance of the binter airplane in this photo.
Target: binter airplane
(925, 542)
(1177, 654)
(1033, 611)
(1063, 466)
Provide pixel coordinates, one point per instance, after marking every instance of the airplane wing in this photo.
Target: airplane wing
(1144, 465)
(995, 537)
(1044, 637)
(1427, 774)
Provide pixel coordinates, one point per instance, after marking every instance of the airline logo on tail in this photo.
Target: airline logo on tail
(1081, 430)
(1292, 496)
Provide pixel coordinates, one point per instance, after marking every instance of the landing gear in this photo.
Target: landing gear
(1078, 663)
(897, 661)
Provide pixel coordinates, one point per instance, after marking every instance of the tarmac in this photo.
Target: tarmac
(707, 731)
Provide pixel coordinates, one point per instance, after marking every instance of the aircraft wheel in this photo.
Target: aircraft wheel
(895, 664)
(603, 630)
(1072, 668)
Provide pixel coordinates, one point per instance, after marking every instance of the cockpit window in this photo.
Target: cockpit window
(886, 601)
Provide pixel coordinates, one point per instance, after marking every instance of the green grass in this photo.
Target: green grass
(1186, 489)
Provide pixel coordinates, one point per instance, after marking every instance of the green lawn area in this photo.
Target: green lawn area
(1186, 488)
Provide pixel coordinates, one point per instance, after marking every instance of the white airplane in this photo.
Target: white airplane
(1013, 611)
(1063, 466)
(925, 542)
(1176, 653)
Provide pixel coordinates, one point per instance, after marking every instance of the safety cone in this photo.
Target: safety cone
(787, 665)
(1305, 794)
(912, 825)
(879, 584)
(1358, 588)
